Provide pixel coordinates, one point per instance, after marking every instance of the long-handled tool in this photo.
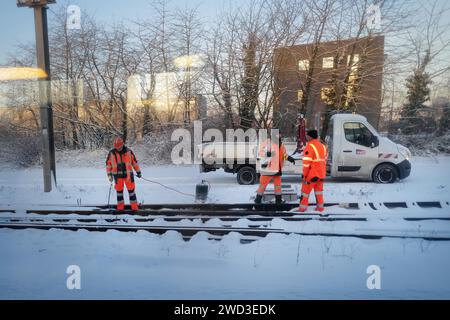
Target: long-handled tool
(109, 195)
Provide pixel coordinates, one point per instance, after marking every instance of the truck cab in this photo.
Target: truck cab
(357, 150)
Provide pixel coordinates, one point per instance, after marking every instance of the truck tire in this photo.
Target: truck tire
(247, 176)
(385, 173)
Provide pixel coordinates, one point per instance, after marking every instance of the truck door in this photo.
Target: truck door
(329, 141)
(359, 150)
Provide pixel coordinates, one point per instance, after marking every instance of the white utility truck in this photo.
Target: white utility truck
(356, 150)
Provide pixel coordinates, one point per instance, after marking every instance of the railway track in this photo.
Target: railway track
(204, 216)
(271, 207)
(228, 210)
(250, 234)
(100, 218)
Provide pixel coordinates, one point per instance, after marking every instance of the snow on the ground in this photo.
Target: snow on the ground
(145, 266)
(141, 265)
(429, 181)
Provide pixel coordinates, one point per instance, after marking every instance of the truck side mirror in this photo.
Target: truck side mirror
(375, 142)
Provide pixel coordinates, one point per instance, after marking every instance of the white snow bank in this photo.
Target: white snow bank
(145, 266)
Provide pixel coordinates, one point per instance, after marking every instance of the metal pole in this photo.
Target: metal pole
(45, 99)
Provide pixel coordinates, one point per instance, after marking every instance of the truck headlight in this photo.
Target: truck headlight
(405, 153)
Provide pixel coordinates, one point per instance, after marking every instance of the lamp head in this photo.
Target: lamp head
(34, 3)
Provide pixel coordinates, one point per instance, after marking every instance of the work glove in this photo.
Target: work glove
(291, 160)
(139, 174)
(110, 178)
(268, 154)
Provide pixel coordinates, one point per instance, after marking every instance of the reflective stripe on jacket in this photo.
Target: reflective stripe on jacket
(315, 160)
(121, 164)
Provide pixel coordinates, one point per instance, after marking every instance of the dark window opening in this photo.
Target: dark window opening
(358, 133)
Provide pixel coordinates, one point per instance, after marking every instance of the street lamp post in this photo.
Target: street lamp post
(45, 98)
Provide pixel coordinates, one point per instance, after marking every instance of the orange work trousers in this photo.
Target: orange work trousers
(129, 183)
(265, 180)
(307, 188)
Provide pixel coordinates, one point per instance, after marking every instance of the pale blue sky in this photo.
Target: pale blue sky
(17, 24)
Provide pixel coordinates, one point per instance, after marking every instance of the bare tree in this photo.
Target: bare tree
(221, 61)
(69, 58)
(241, 57)
(188, 42)
(430, 44)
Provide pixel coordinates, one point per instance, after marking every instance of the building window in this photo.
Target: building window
(353, 77)
(326, 95)
(328, 63)
(303, 65)
(354, 63)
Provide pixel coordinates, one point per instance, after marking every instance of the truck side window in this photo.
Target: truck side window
(356, 132)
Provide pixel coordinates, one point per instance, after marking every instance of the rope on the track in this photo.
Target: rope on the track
(168, 188)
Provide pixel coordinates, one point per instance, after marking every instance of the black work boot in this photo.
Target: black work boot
(278, 199)
(258, 199)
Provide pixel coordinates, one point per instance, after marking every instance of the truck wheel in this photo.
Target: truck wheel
(247, 176)
(385, 173)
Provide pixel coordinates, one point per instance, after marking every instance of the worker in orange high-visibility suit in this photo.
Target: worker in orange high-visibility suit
(314, 171)
(275, 153)
(119, 167)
